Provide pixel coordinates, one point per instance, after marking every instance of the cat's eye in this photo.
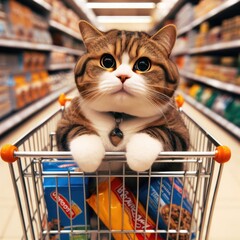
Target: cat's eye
(143, 64)
(108, 61)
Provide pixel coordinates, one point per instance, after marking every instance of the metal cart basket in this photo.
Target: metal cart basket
(197, 184)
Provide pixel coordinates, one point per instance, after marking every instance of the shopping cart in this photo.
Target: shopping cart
(198, 185)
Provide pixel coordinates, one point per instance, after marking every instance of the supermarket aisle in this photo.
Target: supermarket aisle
(225, 221)
(10, 228)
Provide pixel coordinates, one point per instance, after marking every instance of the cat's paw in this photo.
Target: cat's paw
(88, 151)
(142, 150)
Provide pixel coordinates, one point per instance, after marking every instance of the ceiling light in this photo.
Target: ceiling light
(121, 5)
(124, 19)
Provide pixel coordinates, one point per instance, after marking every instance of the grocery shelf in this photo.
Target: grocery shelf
(43, 4)
(169, 15)
(67, 50)
(219, 9)
(64, 29)
(81, 10)
(221, 46)
(211, 82)
(18, 117)
(233, 129)
(9, 43)
(61, 66)
(216, 47)
(38, 46)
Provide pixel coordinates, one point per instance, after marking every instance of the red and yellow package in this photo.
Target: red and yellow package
(121, 212)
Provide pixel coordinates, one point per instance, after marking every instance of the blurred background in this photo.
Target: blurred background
(40, 44)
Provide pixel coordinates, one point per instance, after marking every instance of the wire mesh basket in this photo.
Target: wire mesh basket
(58, 201)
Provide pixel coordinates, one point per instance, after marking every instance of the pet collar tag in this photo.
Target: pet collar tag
(116, 135)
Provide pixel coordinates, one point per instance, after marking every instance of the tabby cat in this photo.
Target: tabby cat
(126, 82)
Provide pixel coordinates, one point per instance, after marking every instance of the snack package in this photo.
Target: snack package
(173, 198)
(70, 206)
(108, 205)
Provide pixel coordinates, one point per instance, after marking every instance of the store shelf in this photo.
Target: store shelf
(64, 29)
(21, 115)
(214, 12)
(43, 4)
(40, 6)
(233, 129)
(66, 50)
(211, 82)
(24, 45)
(169, 15)
(61, 66)
(216, 47)
(8, 43)
(80, 8)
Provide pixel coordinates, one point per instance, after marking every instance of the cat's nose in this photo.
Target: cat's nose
(123, 78)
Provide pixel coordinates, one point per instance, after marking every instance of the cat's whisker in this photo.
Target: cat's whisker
(162, 97)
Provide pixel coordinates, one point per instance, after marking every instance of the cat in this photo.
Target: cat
(126, 81)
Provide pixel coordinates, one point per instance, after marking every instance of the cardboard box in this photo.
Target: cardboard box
(66, 202)
(167, 195)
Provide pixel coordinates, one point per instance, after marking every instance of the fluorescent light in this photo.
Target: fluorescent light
(121, 5)
(124, 19)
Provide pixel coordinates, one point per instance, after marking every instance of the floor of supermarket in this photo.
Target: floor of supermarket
(225, 224)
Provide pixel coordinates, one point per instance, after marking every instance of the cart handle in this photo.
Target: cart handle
(179, 100)
(223, 154)
(9, 153)
(63, 99)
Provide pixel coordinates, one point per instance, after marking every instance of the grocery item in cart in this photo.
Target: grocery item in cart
(168, 205)
(119, 210)
(64, 198)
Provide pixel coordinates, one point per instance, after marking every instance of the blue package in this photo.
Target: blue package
(67, 203)
(172, 197)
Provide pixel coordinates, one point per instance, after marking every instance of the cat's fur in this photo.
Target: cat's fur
(151, 122)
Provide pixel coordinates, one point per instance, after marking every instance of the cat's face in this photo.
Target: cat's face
(126, 71)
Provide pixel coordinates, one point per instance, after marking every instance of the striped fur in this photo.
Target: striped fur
(145, 98)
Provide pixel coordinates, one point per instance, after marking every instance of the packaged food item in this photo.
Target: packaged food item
(119, 210)
(168, 205)
(232, 112)
(65, 200)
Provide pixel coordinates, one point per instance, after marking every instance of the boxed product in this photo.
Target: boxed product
(65, 197)
(168, 204)
(118, 209)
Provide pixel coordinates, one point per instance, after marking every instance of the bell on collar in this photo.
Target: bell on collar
(116, 135)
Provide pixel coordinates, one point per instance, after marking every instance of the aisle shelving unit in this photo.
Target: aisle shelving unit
(231, 88)
(62, 28)
(225, 48)
(213, 13)
(217, 47)
(11, 44)
(61, 66)
(233, 129)
(14, 119)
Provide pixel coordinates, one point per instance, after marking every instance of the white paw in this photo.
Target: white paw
(88, 151)
(142, 150)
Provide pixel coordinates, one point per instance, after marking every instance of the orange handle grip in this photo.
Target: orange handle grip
(223, 154)
(63, 99)
(179, 100)
(7, 153)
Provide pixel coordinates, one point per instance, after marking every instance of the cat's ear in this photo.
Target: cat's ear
(166, 37)
(88, 32)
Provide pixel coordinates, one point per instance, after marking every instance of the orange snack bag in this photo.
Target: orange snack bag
(110, 210)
